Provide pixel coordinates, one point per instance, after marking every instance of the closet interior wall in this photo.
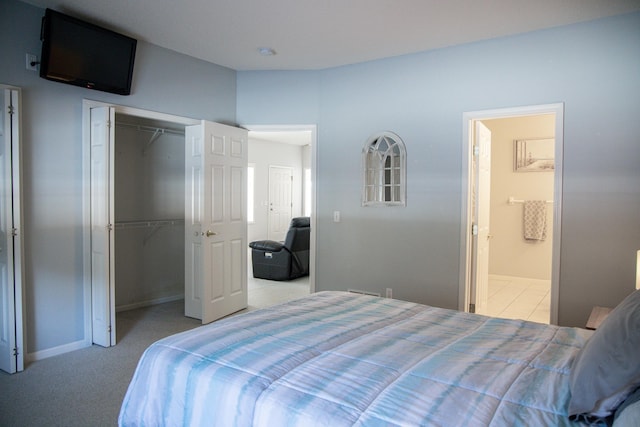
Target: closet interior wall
(149, 212)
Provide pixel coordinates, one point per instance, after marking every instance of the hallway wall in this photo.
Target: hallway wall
(263, 154)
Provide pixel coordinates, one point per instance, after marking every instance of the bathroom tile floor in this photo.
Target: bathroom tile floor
(519, 298)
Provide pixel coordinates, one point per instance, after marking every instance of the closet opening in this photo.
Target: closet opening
(149, 194)
(133, 208)
(137, 235)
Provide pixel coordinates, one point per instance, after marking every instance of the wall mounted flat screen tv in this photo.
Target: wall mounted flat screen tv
(82, 54)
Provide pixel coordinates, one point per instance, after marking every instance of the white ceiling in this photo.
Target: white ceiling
(317, 34)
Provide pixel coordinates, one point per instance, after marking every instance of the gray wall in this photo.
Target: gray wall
(264, 154)
(593, 68)
(163, 81)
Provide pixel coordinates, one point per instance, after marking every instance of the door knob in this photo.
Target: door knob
(211, 233)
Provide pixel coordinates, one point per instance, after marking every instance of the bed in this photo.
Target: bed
(342, 359)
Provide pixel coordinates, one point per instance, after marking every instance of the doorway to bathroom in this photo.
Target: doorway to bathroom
(512, 205)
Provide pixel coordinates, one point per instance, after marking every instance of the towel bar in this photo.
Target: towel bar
(512, 201)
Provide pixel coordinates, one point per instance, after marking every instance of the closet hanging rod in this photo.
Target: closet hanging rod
(148, 224)
(512, 201)
(151, 128)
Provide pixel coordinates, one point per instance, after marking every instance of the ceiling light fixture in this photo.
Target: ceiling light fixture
(266, 51)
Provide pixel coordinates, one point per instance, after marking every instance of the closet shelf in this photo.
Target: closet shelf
(151, 129)
(154, 225)
(148, 224)
(157, 132)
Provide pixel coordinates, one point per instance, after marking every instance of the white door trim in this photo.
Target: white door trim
(465, 224)
(314, 188)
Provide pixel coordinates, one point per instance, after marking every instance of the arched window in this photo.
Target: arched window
(384, 171)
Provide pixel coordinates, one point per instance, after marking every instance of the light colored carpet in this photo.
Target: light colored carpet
(86, 387)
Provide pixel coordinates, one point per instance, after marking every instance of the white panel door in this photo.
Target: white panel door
(215, 221)
(280, 201)
(102, 214)
(480, 278)
(11, 345)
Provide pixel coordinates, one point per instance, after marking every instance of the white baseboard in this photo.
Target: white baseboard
(77, 345)
(150, 302)
(56, 351)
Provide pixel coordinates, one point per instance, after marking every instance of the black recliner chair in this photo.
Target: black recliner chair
(283, 260)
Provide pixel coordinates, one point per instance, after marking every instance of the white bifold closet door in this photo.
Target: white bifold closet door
(102, 218)
(11, 327)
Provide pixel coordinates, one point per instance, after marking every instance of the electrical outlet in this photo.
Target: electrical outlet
(389, 293)
(32, 62)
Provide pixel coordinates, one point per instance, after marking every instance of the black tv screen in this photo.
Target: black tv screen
(82, 54)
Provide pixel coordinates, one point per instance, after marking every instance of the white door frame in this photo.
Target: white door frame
(314, 188)
(15, 220)
(468, 119)
(87, 105)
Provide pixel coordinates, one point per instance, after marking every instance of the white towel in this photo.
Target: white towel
(535, 220)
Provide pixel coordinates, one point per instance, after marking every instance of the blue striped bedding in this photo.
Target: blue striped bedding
(340, 359)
